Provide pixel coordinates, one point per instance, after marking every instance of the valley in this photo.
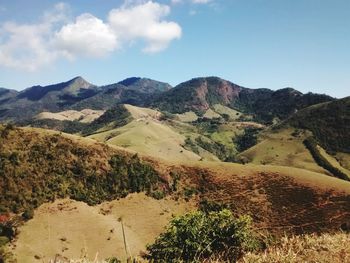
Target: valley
(85, 160)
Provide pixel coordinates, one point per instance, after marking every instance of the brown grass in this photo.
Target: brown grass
(308, 248)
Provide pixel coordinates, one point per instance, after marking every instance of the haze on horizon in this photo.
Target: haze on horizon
(257, 44)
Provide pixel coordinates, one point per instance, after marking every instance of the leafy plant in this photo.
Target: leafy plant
(248, 139)
(311, 144)
(198, 235)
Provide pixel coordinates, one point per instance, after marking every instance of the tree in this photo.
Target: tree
(199, 235)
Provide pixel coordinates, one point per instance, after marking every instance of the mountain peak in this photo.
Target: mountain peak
(129, 81)
(79, 80)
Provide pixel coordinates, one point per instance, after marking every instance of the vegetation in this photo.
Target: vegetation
(329, 123)
(190, 145)
(199, 235)
(28, 214)
(64, 126)
(311, 145)
(215, 148)
(246, 140)
(113, 118)
(36, 168)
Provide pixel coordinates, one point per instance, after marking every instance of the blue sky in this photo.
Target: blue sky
(304, 44)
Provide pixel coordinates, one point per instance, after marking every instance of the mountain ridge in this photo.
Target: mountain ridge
(197, 94)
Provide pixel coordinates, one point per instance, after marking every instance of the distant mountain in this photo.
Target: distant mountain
(135, 91)
(77, 94)
(267, 105)
(6, 94)
(27, 103)
(198, 95)
(145, 85)
(72, 88)
(202, 93)
(329, 123)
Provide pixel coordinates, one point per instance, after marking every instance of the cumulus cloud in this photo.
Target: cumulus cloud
(58, 35)
(87, 36)
(27, 46)
(145, 22)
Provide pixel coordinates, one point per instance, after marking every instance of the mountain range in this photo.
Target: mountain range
(196, 95)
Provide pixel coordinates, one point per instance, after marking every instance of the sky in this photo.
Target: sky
(304, 44)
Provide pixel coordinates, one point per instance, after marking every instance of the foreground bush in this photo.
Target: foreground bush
(199, 235)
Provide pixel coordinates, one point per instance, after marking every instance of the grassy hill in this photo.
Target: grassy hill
(328, 122)
(283, 148)
(146, 134)
(40, 166)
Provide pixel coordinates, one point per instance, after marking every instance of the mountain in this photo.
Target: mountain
(145, 85)
(33, 100)
(200, 94)
(75, 94)
(197, 95)
(6, 95)
(64, 90)
(133, 91)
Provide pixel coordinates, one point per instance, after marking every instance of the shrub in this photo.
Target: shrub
(311, 144)
(157, 194)
(198, 235)
(248, 139)
(28, 213)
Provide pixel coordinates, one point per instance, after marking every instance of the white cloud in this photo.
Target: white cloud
(27, 46)
(145, 22)
(87, 36)
(57, 35)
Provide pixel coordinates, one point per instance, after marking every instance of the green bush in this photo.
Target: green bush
(157, 194)
(198, 235)
(311, 144)
(28, 213)
(247, 140)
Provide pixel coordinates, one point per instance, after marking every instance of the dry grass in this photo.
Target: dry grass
(330, 248)
(84, 116)
(221, 109)
(74, 230)
(325, 248)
